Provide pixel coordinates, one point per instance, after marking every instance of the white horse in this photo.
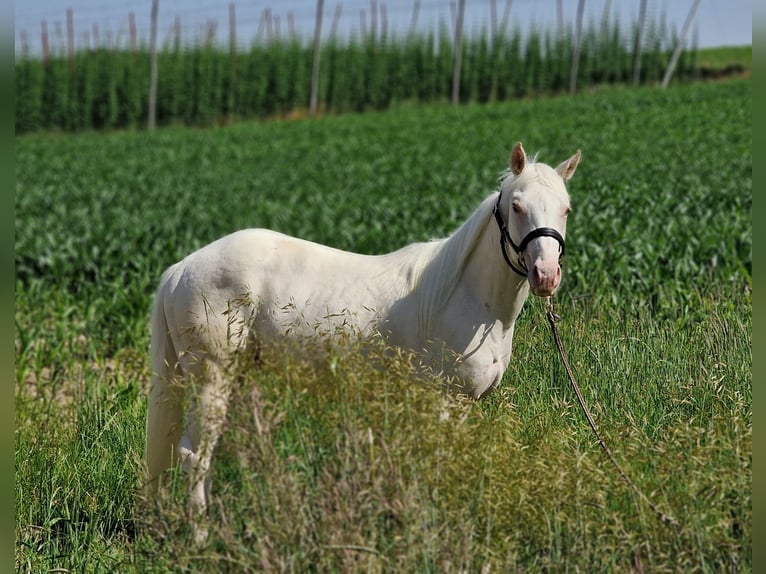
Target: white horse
(257, 287)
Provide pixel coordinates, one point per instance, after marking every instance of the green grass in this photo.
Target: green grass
(727, 57)
(352, 468)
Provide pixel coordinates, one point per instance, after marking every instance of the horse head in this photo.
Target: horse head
(534, 205)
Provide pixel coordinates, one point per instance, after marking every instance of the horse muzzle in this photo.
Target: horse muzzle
(544, 278)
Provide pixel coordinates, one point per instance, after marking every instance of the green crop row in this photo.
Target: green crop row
(205, 84)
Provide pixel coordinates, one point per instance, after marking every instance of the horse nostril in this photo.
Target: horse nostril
(545, 274)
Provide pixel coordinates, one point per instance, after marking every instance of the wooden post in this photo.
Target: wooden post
(506, 17)
(383, 22)
(315, 63)
(269, 26)
(177, 34)
(59, 37)
(492, 21)
(576, 48)
(680, 46)
(291, 26)
(458, 53)
(605, 19)
(336, 20)
(638, 43)
(261, 26)
(233, 35)
(70, 39)
(373, 21)
(96, 36)
(44, 40)
(133, 34)
(414, 19)
(153, 67)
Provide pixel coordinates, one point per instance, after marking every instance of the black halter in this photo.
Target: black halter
(519, 249)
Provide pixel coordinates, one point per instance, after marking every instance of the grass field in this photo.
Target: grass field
(351, 468)
(725, 58)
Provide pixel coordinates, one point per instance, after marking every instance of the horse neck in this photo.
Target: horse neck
(489, 278)
(471, 259)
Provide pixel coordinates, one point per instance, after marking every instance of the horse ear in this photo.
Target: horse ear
(567, 167)
(518, 159)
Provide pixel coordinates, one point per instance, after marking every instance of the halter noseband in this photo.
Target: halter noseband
(519, 249)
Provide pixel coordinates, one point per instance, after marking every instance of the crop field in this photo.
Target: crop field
(205, 83)
(353, 468)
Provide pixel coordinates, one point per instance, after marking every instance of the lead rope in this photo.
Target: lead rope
(552, 318)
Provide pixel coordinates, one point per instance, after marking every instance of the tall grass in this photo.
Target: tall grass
(354, 467)
(204, 85)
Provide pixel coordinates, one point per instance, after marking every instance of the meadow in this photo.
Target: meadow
(352, 468)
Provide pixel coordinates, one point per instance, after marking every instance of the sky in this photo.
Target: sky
(716, 23)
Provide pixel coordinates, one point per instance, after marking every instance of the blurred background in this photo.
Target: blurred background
(88, 65)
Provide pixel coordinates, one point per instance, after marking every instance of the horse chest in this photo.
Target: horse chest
(482, 347)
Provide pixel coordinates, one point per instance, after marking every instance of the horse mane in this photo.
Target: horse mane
(440, 263)
(455, 249)
(440, 268)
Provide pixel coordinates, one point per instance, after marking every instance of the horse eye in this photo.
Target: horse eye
(567, 211)
(516, 207)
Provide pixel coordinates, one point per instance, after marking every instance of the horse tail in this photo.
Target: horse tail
(164, 420)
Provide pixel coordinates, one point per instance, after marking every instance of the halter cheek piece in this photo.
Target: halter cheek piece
(519, 249)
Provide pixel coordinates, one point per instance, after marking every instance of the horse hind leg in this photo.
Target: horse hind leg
(203, 428)
(210, 372)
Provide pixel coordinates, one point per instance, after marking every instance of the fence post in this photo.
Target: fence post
(291, 26)
(44, 40)
(383, 22)
(605, 20)
(414, 19)
(458, 53)
(373, 21)
(576, 49)
(315, 63)
(96, 36)
(133, 35)
(269, 26)
(336, 20)
(70, 39)
(153, 67)
(506, 17)
(493, 20)
(233, 36)
(638, 44)
(680, 45)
